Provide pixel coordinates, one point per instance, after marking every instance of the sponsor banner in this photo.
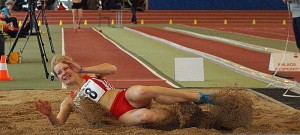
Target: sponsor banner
(285, 62)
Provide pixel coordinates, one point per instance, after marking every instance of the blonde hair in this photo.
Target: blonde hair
(57, 59)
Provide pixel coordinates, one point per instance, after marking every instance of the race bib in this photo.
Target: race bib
(92, 90)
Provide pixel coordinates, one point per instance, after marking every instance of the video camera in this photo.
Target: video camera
(36, 3)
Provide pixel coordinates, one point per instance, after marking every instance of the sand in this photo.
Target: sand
(235, 112)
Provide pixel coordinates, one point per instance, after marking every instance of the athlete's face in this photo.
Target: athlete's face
(65, 74)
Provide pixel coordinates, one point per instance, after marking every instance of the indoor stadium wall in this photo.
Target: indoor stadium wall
(216, 5)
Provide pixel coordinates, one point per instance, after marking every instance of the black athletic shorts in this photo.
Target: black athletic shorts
(76, 6)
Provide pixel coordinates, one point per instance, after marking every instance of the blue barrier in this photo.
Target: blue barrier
(216, 5)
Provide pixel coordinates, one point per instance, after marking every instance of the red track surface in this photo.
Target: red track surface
(248, 58)
(91, 51)
(267, 31)
(178, 16)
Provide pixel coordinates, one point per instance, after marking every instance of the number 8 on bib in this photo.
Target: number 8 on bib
(92, 90)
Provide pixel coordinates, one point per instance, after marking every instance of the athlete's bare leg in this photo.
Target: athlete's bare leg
(141, 96)
(143, 116)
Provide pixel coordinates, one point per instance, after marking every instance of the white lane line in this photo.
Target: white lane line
(274, 80)
(151, 70)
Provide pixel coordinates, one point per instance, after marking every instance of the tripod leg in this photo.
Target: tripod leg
(22, 49)
(17, 37)
(43, 46)
(38, 15)
(48, 30)
(42, 49)
(29, 34)
(38, 33)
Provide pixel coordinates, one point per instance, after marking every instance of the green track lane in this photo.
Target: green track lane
(161, 57)
(30, 73)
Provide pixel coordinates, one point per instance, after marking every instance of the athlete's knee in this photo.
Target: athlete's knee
(139, 90)
(148, 116)
(145, 91)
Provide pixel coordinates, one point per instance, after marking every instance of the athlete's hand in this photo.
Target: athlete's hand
(44, 107)
(73, 65)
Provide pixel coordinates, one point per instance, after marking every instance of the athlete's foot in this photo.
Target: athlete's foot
(205, 99)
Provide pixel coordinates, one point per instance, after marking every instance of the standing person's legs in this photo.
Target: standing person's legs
(74, 13)
(296, 28)
(80, 15)
(133, 11)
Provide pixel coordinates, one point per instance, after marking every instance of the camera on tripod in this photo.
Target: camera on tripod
(37, 3)
(33, 26)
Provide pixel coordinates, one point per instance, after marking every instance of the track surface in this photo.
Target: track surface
(281, 32)
(82, 48)
(130, 72)
(252, 59)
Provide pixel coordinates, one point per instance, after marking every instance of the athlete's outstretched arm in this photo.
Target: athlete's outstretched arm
(45, 108)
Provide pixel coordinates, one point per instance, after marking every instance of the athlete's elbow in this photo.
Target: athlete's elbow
(114, 69)
(58, 123)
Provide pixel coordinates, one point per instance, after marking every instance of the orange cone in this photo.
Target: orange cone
(3, 70)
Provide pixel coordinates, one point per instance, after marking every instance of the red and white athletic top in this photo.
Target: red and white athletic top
(94, 89)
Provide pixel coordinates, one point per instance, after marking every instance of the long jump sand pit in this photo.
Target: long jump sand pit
(236, 112)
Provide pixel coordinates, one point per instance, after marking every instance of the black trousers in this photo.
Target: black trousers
(13, 20)
(13, 33)
(133, 11)
(296, 28)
